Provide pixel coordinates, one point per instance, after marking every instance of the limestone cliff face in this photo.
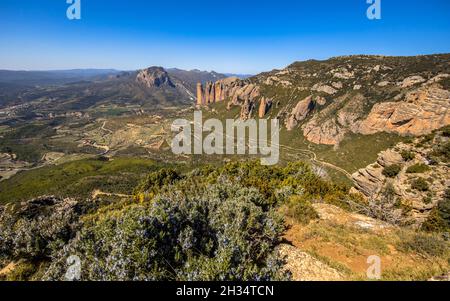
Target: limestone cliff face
(421, 112)
(199, 94)
(370, 180)
(237, 92)
(299, 113)
(154, 77)
(326, 100)
(215, 92)
(264, 107)
(330, 125)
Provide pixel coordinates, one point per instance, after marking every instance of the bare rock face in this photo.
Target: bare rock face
(328, 132)
(247, 109)
(383, 83)
(389, 157)
(329, 127)
(209, 93)
(369, 180)
(411, 81)
(337, 85)
(238, 92)
(300, 112)
(321, 101)
(324, 88)
(343, 73)
(154, 77)
(422, 111)
(200, 99)
(304, 267)
(264, 106)
(438, 78)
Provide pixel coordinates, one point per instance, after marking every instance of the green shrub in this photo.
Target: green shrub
(428, 198)
(446, 131)
(219, 235)
(22, 272)
(425, 244)
(428, 138)
(441, 151)
(301, 210)
(439, 218)
(156, 180)
(420, 184)
(391, 171)
(418, 168)
(407, 155)
(435, 222)
(214, 223)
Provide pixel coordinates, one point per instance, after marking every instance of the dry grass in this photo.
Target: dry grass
(341, 243)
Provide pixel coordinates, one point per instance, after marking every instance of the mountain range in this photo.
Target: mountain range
(86, 165)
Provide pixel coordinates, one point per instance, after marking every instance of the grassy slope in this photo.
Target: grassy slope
(354, 152)
(77, 178)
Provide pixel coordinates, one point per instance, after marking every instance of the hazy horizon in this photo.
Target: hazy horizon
(197, 69)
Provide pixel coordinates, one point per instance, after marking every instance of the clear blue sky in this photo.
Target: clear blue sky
(227, 36)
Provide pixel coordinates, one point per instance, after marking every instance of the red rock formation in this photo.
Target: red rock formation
(300, 112)
(199, 94)
(423, 111)
(238, 92)
(264, 106)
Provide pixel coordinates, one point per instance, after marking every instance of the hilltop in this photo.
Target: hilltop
(327, 100)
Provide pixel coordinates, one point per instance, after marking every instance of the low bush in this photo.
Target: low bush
(220, 235)
(418, 168)
(407, 155)
(425, 244)
(446, 131)
(420, 184)
(391, 171)
(22, 272)
(301, 210)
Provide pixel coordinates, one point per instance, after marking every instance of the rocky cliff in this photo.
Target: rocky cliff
(326, 100)
(237, 92)
(154, 77)
(419, 113)
(414, 173)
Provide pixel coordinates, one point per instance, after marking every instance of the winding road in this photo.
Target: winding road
(304, 152)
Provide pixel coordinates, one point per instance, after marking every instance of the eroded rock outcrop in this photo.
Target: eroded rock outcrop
(418, 201)
(411, 81)
(422, 111)
(300, 112)
(264, 107)
(324, 88)
(329, 127)
(237, 92)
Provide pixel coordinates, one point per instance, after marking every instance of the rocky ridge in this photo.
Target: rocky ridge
(325, 100)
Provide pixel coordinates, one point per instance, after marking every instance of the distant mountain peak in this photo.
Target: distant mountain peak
(154, 77)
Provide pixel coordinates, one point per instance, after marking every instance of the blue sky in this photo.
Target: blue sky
(226, 36)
